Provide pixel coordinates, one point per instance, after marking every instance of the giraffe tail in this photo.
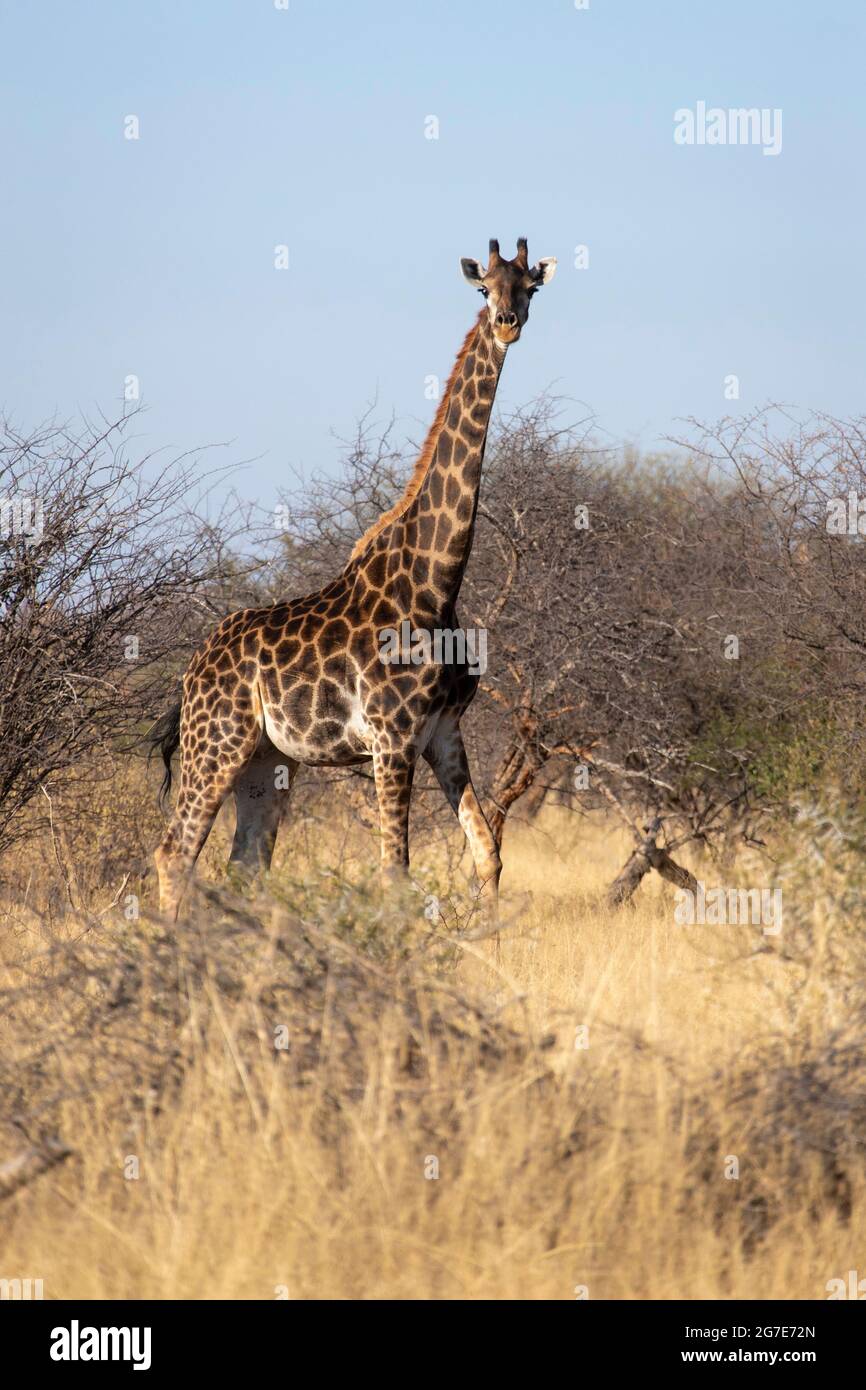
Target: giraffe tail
(165, 737)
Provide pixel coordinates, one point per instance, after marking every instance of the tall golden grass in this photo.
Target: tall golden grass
(564, 1122)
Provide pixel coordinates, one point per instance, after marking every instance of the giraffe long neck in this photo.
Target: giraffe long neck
(437, 526)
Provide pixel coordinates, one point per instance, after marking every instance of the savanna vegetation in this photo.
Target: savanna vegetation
(305, 1089)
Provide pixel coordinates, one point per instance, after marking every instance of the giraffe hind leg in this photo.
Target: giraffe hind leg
(261, 793)
(209, 769)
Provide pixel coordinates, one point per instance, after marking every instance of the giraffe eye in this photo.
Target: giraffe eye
(484, 290)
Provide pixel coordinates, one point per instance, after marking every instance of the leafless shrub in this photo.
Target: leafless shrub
(103, 574)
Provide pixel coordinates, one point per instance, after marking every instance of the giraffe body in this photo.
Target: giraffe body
(305, 681)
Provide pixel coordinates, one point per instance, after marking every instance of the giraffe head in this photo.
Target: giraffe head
(508, 287)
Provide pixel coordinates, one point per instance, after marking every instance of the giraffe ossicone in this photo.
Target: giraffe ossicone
(303, 681)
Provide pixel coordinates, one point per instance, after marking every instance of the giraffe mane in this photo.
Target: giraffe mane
(425, 458)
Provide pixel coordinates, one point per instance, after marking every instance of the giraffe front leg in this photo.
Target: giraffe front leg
(393, 772)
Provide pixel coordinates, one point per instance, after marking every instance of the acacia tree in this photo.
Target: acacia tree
(664, 640)
(763, 572)
(801, 529)
(103, 567)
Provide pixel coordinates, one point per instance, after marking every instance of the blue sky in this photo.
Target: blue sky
(306, 127)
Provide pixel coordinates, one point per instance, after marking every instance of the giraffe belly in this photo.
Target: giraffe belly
(344, 736)
(316, 753)
(327, 743)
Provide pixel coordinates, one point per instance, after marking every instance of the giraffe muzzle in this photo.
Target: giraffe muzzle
(506, 328)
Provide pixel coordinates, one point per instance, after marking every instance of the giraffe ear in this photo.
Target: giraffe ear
(544, 272)
(471, 272)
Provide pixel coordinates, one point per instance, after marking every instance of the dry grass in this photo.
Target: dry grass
(559, 1166)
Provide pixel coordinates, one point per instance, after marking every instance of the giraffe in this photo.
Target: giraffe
(307, 681)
